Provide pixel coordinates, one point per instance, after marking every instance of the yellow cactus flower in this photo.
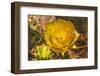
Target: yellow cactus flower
(60, 35)
(43, 52)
